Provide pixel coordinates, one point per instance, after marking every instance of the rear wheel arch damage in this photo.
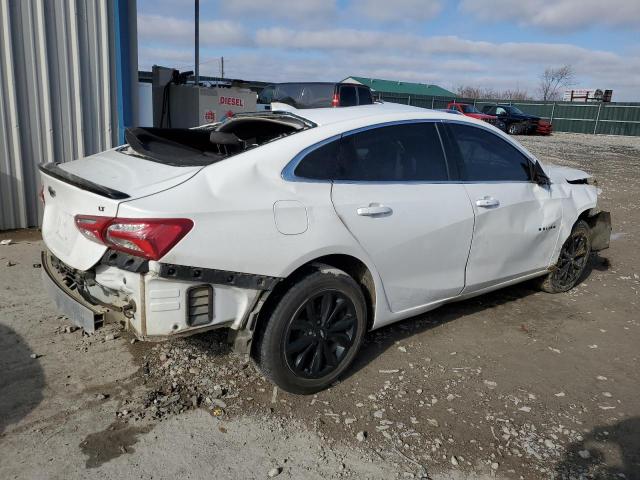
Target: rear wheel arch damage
(336, 263)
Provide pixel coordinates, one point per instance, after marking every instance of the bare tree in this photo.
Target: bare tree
(515, 94)
(553, 79)
(468, 91)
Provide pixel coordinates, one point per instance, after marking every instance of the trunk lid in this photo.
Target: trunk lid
(96, 185)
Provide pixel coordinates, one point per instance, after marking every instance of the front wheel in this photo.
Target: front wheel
(514, 129)
(572, 261)
(314, 332)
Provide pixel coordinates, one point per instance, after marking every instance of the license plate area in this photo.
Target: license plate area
(85, 316)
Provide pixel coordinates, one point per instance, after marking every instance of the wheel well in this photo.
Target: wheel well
(583, 216)
(350, 265)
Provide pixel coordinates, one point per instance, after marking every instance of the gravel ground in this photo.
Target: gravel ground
(516, 384)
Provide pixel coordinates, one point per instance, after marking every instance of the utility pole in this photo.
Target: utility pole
(221, 67)
(197, 40)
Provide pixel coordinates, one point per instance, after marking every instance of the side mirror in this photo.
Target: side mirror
(539, 176)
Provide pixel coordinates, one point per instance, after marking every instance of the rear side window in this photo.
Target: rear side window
(364, 96)
(487, 157)
(348, 96)
(321, 163)
(400, 153)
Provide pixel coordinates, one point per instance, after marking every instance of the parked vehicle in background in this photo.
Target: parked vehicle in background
(448, 110)
(470, 110)
(517, 122)
(301, 232)
(314, 95)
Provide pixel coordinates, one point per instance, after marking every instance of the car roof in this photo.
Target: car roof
(328, 116)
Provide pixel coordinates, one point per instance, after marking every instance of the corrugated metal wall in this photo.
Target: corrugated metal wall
(600, 118)
(58, 91)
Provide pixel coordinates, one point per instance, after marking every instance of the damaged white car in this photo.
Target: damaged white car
(301, 231)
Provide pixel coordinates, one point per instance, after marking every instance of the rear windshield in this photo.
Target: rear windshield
(304, 95)
(207, 145)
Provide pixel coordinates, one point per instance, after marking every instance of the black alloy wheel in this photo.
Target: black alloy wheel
(320, 334)
(573, 259)
(312, 331)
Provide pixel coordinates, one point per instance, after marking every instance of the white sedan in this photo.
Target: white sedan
(301, 231)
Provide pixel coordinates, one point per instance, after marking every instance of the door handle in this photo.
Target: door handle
(487, 202)
(374, 210)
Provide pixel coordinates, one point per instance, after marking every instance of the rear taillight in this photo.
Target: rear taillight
(336, 100)
(92, 227)
(149, 238)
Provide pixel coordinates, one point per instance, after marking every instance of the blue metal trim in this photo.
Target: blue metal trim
(123, 68)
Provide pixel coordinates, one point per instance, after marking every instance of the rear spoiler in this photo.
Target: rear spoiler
(53, 170)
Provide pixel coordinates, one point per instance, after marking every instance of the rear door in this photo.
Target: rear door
(392, 192)
(517, 220)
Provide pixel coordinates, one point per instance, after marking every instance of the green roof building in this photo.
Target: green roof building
(406, 88)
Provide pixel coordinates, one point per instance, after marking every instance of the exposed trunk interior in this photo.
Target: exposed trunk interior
(206, 145)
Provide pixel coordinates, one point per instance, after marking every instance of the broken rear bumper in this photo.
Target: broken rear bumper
(600, 224)
(156, 302)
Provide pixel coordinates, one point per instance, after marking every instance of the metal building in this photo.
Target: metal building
(68, 87)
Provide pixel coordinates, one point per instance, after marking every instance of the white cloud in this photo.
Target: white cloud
(281, 54)
(365, 40)
(305, 11)
(397, 10)
(170, 30)
(557, 14)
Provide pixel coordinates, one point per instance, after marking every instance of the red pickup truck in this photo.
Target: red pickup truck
(471, 111)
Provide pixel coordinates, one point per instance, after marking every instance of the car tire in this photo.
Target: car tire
(513, 129)
(314, 332)
(572, 262)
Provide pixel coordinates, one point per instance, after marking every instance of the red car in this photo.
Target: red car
(471, 111)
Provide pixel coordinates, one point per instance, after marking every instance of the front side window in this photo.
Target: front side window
(400, 153)
(487, 157)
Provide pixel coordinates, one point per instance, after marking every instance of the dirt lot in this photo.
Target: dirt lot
(516, 384)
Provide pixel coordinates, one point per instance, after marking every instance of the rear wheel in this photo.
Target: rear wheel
(572, 261)
(314, 332)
